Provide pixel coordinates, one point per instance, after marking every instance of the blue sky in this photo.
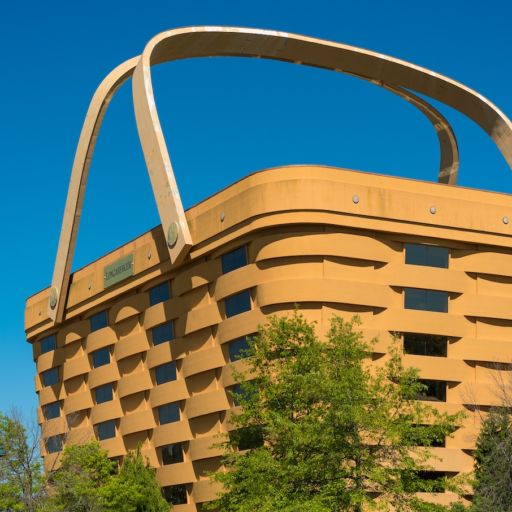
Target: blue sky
(222, 118)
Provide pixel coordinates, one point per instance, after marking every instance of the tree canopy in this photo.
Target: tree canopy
(328, 431)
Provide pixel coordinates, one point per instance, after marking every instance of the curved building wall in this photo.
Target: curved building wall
(332, 241)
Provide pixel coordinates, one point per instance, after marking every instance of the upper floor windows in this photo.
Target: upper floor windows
(172, 454)
(425, 344)
(165, 372)
(98, 321)
(159, 293)
(54, 443)
(104, 393)
(106, 429)
(234, 259)
(435, 390)
(238, 348)
(175, 494)
(48, 344)
(51, 410)
(101, 357)
(169, 413)
(238, 303)
(427, 255)
(162, 333)
(50, 377)
(426, 300)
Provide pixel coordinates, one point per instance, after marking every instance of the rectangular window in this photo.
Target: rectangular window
(54, 443)
(162, 333)
(169, 413)
(435, 390)
(238, 348)
(426, 255)
(104, 393)
(172, 454)
(48, 344)
(234, 259)
(101, 357)
(106, 429)
(159, 293)
(98, 321)
(165, 372)
(425, 344)
(426, 300)
(175, 494)
(51, 411)
(238, 303)
(50, 377)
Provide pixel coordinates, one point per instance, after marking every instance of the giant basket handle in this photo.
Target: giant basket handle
(394, 74)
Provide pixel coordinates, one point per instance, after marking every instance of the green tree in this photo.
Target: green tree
(76, 485)
(21, 475)
(134, 489)
(493, 463)
(328, 432)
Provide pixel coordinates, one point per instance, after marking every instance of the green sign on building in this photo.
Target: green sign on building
(117, 271)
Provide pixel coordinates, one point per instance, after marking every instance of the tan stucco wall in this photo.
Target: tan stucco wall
(309, 242)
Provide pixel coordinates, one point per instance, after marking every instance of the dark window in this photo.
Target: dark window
(104, 393)
(238, 348)
(435, 390)
(238, 303)
(101, 357)
(426, 300)
(425, 344)
(426, 435)
(54, 443)
(175, 494)
(427, 255)
(237, 391)
(48, 344)
(165, 372)
(162, 333)
(423, 481)
(51, 410)
(50, 377)
(106, 429)
(159, 293)
(172, 454)
(234, 259)
(248, 438)
(98, 321)
(169, 413)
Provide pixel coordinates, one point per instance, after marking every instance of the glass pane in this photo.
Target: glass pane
(427, 255)
(50, 377)
(172, 454)
(48, 344)
(52, 410)
(426, 300)
(175, 494)
(425, 344)
(101, 357)
(234, 259)
(165, 372)
(162, 333)
(435, 390)
(169, 413)
(159, 293)
(237, 348)
(98, 321)
(104, 393)
(54, 444)
(106, 430)
(238, 303)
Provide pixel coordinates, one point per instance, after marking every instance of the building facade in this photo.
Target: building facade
(143, 350)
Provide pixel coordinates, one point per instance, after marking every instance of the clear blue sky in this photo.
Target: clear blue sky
(223, 118)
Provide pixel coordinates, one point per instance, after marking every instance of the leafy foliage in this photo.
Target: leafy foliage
(493, 468)
(335, 432)
(21, 476)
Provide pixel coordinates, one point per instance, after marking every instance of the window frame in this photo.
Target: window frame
(426, 259)
(50, 371)
(229, 266)
(104, 387)
(230, 307)
(99, 315)
(173, 458)
(410, 298)
(96, 352)
(161, 326)
(45, 406)
(160, 407)
(161, 366)
(53, 338)
(157, 299)
(99, 426)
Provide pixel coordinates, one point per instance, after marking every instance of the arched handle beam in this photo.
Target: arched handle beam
(222, 41)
